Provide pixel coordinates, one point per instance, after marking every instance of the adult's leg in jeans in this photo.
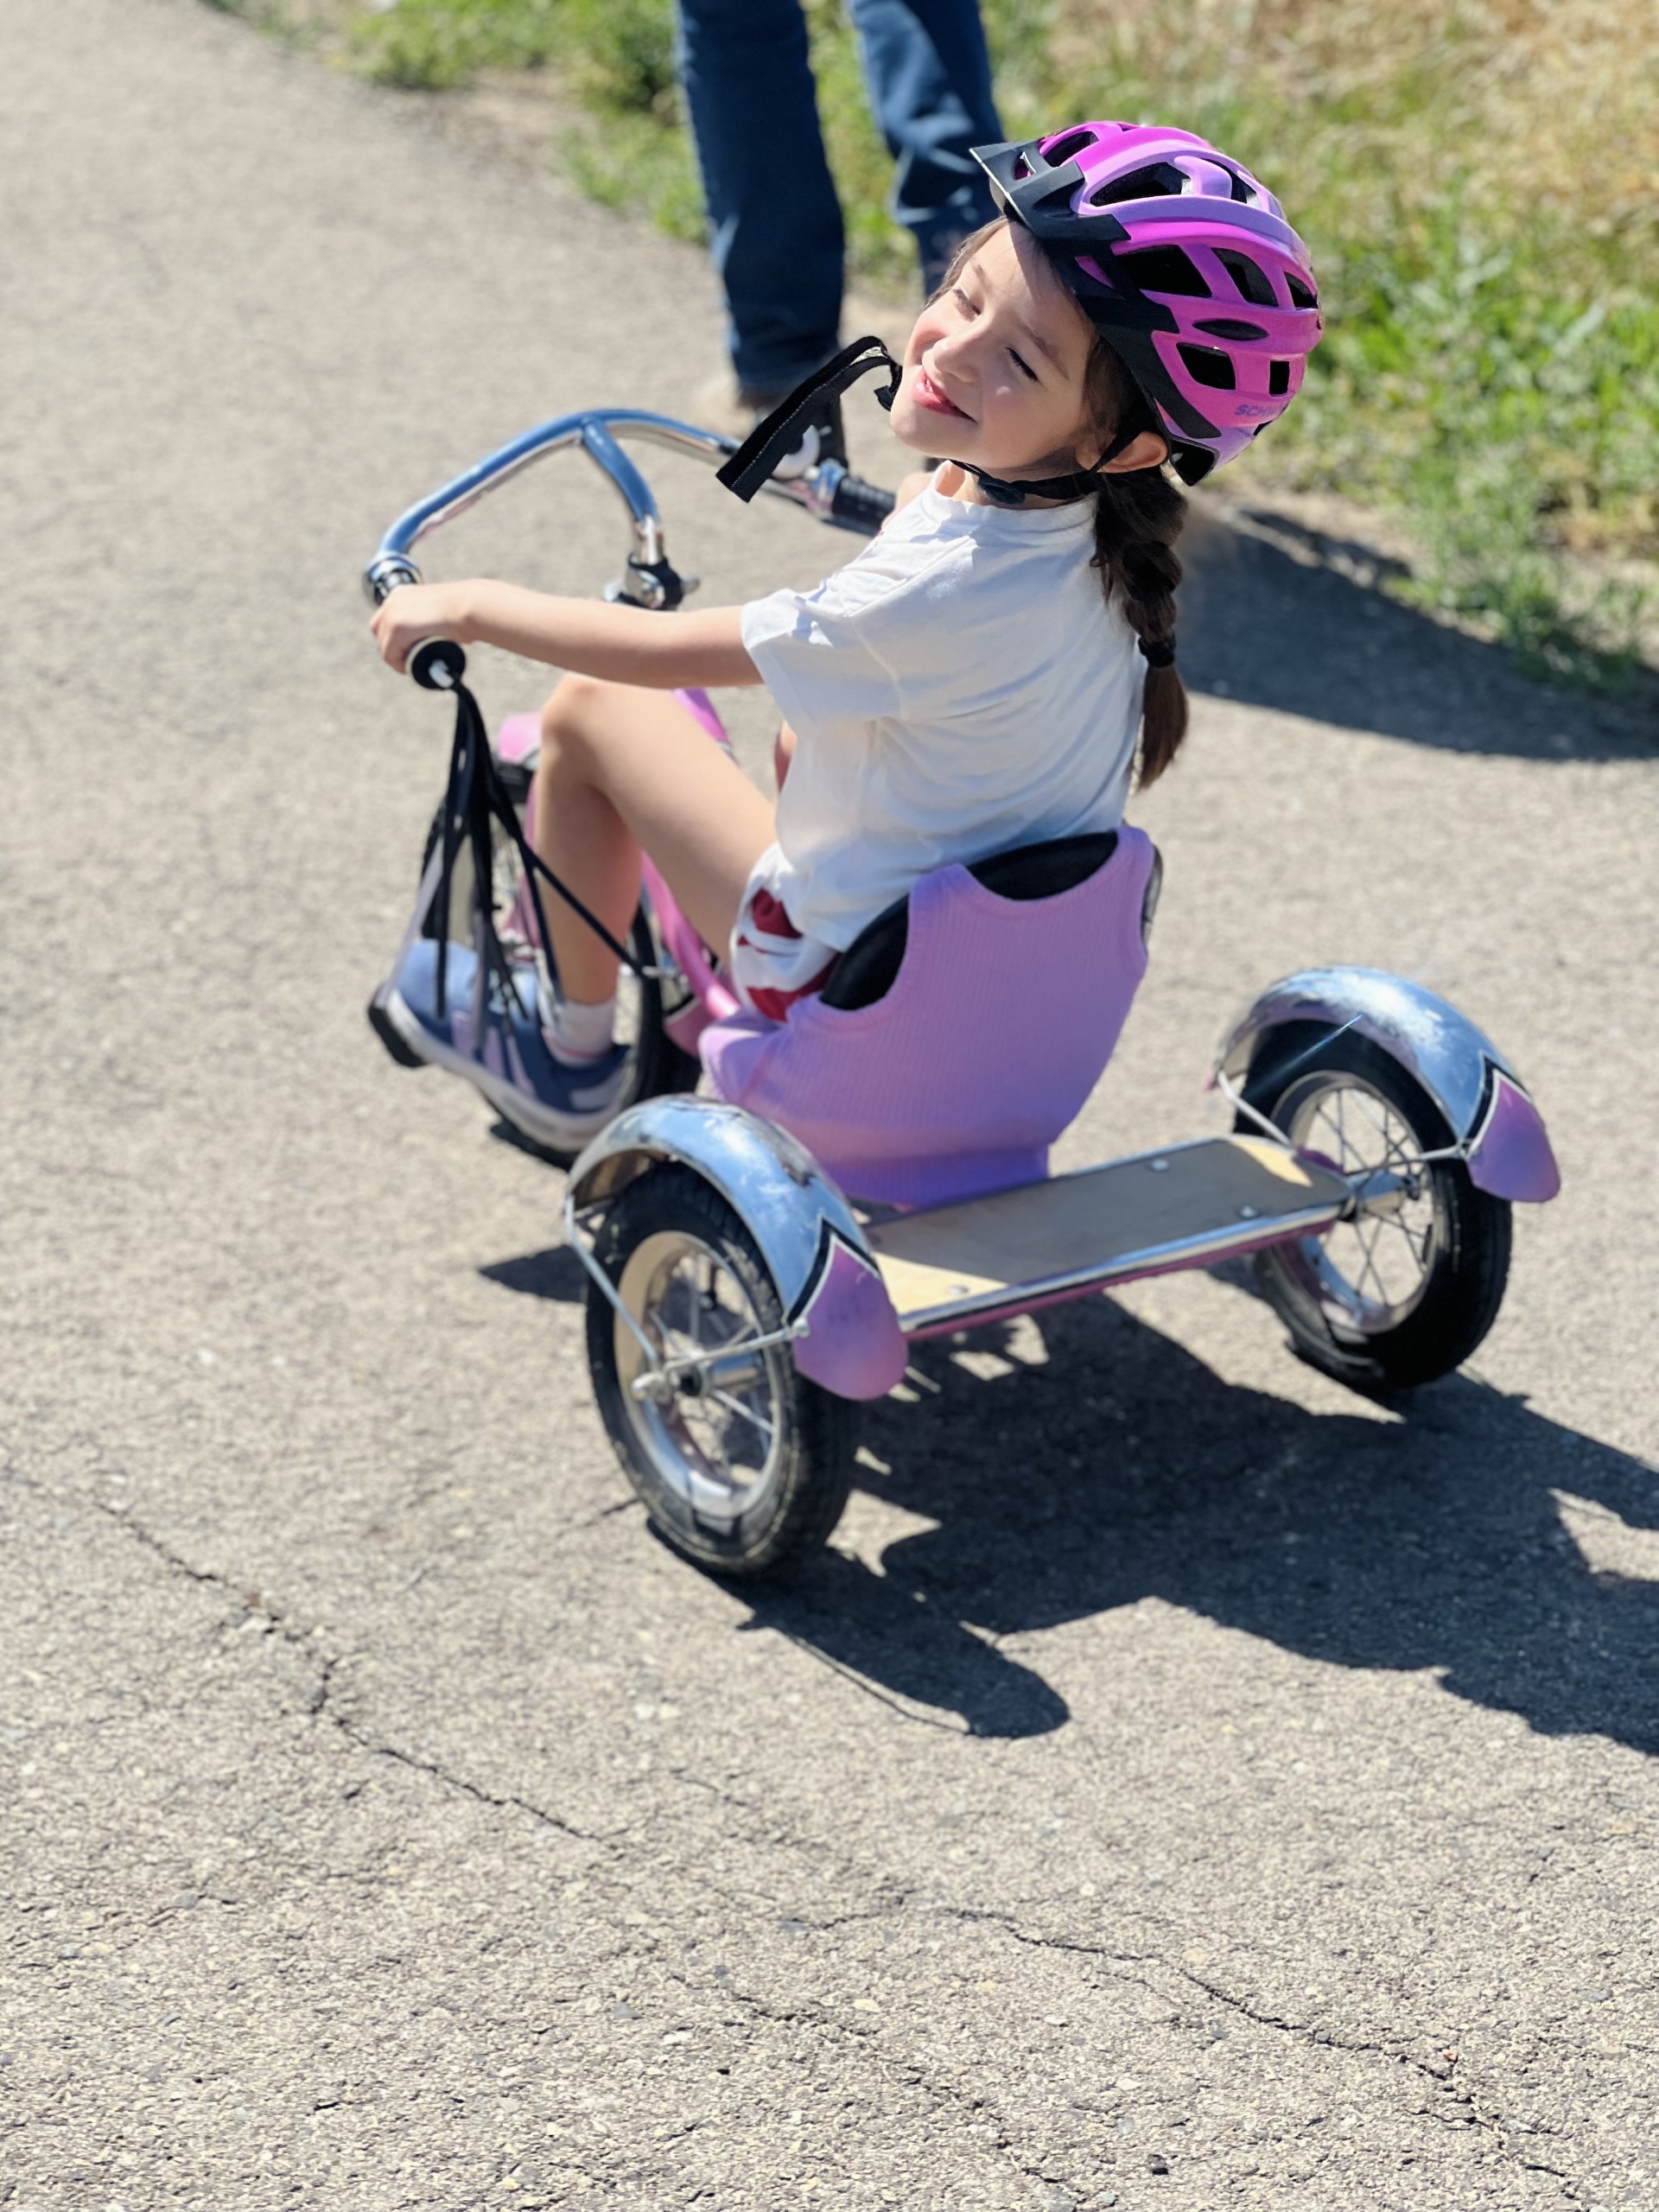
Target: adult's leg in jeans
(773, 217)
(929, 78)
(621, 769)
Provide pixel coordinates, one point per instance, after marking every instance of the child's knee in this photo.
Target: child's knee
(573, 713)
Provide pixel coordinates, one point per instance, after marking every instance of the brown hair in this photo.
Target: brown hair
(1138, 516)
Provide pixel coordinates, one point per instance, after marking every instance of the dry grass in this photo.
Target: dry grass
(1555, 102)
(1478, 182)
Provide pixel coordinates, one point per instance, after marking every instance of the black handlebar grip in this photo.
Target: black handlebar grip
(437, 664)
(861, 507)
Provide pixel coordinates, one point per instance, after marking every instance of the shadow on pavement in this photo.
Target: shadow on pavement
(556, 1274)
(1279, 615)
(1124, 1468)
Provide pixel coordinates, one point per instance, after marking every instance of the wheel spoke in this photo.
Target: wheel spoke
(1367, 1274)
(1370, 1268)
(1417, 1248)
(1366, 1108)
(768, 1429)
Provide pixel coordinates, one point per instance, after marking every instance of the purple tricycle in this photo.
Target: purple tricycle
(778, 1208)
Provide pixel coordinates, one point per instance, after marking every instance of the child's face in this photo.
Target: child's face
(995, 368)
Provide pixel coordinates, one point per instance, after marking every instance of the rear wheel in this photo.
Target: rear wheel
(1404, 1291)
(742, 1463)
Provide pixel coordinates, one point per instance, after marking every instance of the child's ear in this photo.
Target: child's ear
(1148, 450)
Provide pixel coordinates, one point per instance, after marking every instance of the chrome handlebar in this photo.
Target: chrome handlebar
(828, 491)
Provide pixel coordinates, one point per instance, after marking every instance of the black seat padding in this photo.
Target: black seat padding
(870, 965)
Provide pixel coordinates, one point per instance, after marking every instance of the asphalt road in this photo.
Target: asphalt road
(1184, 1786)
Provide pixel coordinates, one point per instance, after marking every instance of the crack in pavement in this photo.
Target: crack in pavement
(943, 2093)
(320, 1707)
(903, 1901)
(1490, 2123)
(502, 1801)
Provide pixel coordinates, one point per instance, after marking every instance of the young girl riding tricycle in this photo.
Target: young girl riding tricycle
(906, 973)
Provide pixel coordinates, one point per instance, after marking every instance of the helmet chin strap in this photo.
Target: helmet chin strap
(1081, 484)
(1003, 491)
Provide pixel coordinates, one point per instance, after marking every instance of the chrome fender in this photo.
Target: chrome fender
(1493, 1122)
(850, 1340)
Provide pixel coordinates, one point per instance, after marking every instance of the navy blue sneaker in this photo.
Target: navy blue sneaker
(560, 1106)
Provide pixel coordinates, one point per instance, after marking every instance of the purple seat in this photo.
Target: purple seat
(1000, 1023)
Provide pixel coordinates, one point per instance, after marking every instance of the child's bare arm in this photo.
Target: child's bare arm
(627, 644)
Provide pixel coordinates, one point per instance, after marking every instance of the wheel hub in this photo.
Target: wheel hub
(707, 1409)
(1370, 1270)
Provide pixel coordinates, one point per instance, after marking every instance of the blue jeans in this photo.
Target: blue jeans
(774, 219)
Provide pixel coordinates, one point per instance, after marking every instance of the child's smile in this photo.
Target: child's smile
(999, 358)
(926, 393)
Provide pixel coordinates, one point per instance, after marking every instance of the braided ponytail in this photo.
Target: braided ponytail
(1138, 516)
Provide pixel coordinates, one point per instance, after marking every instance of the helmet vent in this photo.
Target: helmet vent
(1278, 378)
(1206, 366)
(1250, 277)
(1225, 329)
(1302, 296)
(1063, 149)
(1240, 191)
(1022, 168)
(1164, 269)
(1158, 180)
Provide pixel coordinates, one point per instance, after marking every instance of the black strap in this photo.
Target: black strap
(475, 801)
(777, 437)
(1013, 492)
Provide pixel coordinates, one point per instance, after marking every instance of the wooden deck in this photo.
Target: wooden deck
(1103, 1224)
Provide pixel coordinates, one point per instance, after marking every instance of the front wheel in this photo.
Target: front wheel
(742, 1463)
(1404, 1291)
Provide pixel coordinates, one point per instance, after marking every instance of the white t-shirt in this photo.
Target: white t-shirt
(961, 687)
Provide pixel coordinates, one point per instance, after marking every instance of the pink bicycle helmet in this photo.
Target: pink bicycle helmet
(1183, 263)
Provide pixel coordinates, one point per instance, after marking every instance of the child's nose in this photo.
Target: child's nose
(955, 349)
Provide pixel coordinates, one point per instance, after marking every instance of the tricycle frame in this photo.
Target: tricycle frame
(856, 1286)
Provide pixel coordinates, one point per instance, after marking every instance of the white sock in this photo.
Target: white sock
(577, 1035)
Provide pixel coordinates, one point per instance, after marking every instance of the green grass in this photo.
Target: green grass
(1491, 366)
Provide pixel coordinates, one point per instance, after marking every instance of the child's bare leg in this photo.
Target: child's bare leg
(624, 769)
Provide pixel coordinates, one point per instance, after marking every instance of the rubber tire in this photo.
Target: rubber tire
(1467, 1278)
(659, 1068)
(809, 1495)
